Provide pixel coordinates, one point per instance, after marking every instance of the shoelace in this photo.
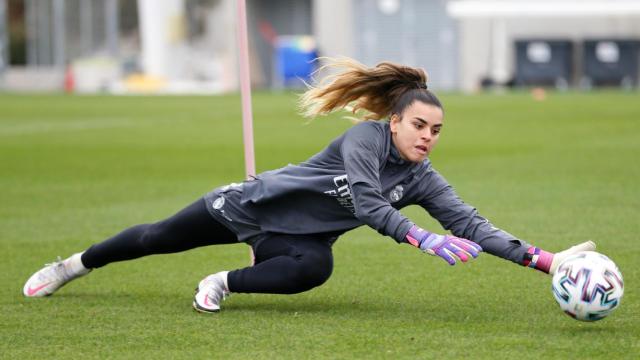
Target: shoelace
(58, 261)
(59, 268)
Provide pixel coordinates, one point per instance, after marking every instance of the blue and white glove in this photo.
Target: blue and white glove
(447, 247)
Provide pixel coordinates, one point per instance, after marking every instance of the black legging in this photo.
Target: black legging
(285, 264)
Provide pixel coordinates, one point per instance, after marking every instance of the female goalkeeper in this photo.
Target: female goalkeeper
(291, 216)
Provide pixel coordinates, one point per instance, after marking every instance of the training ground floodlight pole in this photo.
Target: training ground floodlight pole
(245, 92)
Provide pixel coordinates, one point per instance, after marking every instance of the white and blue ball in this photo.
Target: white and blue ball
(588, 286)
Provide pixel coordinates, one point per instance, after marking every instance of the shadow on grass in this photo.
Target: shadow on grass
(307, 306)
(71, 299)
(592, 328)
(262, 304)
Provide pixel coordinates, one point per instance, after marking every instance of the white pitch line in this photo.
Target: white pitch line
(18, 129)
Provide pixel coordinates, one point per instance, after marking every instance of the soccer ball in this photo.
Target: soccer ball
(588, 286)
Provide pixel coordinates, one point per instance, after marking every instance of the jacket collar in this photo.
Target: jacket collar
(394, 154)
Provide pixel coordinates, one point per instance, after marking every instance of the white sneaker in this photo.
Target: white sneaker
(53, 276)
(210, 293)
(558, 258)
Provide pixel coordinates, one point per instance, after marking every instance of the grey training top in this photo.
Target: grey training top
(359, 179)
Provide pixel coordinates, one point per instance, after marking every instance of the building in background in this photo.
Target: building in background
(412, 32)
(489, 30)
(189, 46)
(4, 36)
(45, 37)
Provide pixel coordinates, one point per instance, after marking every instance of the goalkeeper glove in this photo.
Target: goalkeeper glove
(447, 247)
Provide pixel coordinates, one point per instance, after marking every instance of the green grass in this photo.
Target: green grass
(76, 170)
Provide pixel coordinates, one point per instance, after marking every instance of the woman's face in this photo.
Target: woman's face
(415, 132)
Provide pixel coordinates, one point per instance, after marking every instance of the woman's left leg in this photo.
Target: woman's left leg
(189, 228)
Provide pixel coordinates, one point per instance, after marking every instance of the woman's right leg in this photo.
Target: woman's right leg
(190, 228)
(285, 264)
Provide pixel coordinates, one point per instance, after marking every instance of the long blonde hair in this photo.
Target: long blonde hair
(368, 93)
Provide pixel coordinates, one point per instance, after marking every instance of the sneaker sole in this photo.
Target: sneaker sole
(202, 310)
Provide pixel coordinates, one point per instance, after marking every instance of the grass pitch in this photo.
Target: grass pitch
(76, 170)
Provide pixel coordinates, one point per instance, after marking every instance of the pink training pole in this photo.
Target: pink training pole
(245, 90)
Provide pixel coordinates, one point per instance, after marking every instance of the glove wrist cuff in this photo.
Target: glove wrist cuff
(538, 259)
(417, 236)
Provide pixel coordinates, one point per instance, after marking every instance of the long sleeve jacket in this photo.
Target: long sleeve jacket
(360, 179)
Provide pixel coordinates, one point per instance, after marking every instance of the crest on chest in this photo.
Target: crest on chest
(396, 193)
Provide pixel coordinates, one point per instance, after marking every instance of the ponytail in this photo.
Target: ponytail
(368, 93)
